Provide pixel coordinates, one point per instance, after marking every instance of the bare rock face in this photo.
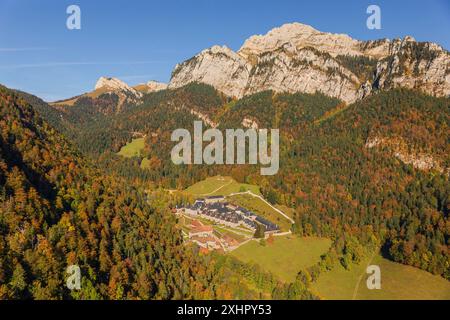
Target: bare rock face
(299, 58)
(154, 86)
(302, 70)
(424, 66)
(300, 36)
(151, 86)
(115, 85)
(406, 153)
(218, 66)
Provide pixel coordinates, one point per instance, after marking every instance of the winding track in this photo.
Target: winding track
(265, 201)
(355, 291)
(218, 189)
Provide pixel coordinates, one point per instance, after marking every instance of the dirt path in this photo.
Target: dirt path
(266, 202)
(355, 291)
(218, 189)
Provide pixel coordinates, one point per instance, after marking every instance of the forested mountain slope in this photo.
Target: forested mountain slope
(370, 174)
(342, 186)
(374, 173)
(58, 210)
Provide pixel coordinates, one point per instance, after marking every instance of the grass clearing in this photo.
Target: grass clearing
(208, 186)
(133, 148)
(286, 256)
(236, 187)
(219, 185)
(397, 282)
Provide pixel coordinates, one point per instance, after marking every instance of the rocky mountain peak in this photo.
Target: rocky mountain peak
(117, 86)
(300, 36)
(276, 37)
(111, 83)
(298, 58)
(126, 94)
(220, 49)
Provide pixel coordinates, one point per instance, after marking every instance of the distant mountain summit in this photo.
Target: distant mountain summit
(117, 85)
(298, 58)
(114, 84)
(112, 95)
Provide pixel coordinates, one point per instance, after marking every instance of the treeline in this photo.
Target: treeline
(268, 285)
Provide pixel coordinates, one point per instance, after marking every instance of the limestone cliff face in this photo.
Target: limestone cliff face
(117, 86)
(302, 70)
(424, 66)
(298, 58)
(154, 86)
(218, 66)
(408, 154)
(151, 86)
(301, 36)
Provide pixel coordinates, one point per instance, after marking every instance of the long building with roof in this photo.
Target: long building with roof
(215, 209)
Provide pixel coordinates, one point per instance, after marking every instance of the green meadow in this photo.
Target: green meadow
(133, 148)
(220, 186)
(398, 282)
(286, 256)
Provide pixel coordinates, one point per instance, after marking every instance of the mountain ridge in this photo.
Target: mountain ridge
(113, 91)
(298, 58)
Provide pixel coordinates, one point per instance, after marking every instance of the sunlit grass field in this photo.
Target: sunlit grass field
(397, 282)
(132, 149)
(286, 256)
(220, 186)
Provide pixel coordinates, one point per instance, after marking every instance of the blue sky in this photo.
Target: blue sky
(142, 40)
